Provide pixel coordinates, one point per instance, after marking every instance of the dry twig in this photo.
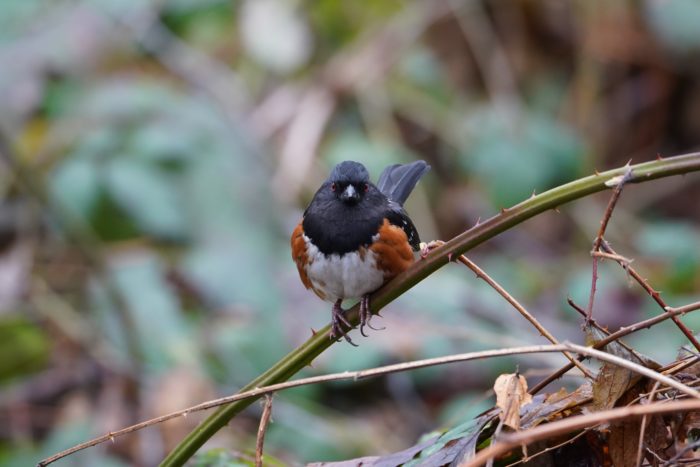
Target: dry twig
(643, 427)
(481, 274)
(619, 185)
(262, 428)
(654, 293)
(372, 372)
(567, 425)
(622, 332)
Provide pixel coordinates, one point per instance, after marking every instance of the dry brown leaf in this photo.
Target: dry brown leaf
(656, 436)
(511, 395)
(545, 408)
(612, 382)
(623, 443)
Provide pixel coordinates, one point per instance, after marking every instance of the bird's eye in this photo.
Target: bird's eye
(333, 186)
(365, 187)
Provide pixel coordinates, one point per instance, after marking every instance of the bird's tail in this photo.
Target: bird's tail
(398, 180)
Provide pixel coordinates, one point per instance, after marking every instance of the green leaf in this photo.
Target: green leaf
(27, 345)
(220, 457)
(443, 452)
(675, 22)
(154, 312)
(149, 196)
(512, 155)
(75, 185)
(677, 244)
(669, 239)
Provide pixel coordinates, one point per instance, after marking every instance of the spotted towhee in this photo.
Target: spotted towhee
(356, 235)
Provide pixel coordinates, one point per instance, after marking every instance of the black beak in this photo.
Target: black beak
(350, 195)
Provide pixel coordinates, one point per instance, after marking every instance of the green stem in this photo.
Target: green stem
(305, 354)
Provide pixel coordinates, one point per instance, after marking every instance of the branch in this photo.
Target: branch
(521, 309)
(264, 420)
(653, 293)
(378, 371)
(305, 354)
(567, 425)
(619, 185)
(620, 333)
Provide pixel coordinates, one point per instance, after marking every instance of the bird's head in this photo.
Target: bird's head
(349, 182)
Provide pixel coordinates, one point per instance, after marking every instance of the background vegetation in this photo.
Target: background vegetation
(164, 151)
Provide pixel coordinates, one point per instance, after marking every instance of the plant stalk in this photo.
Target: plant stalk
(507, 218)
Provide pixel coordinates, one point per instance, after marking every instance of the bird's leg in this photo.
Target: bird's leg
(338, 319)
(366, 316)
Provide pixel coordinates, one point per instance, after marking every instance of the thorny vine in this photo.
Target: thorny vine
(601, 251)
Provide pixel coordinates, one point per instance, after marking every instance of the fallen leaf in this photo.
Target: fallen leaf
(623, 440)
(544, 408)
(612, 382)
(461, 450)
(511, 395)
(391, 460)
(457, 444)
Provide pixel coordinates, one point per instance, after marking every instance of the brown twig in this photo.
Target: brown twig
(677, 366)
(678, 459)
(257, 392)
(372, 372)
(619, 185)
(549, 449)
(480, 273)
(595, 324)
(670, 313)
(303, 355)
(567, 425)
(624, 262)
(262, 428)
(654, 294)
(643, 427)
(494, 437)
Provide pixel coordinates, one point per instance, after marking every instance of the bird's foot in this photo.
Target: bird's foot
(426, 248)
(338, 320)
(366, 316)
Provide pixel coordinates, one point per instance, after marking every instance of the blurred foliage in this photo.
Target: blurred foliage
(178, 142)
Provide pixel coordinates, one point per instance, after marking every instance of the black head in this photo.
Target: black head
(349, 182)
(348, 210)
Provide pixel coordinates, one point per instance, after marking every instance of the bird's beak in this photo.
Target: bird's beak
(350, 195)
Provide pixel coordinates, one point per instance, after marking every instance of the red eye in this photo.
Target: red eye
(365, 187)
(333, 186)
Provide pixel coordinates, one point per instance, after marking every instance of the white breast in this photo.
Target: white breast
(351, 275)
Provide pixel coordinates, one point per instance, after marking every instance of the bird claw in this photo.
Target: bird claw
(338, 319)
(366, 316)
(426, 248)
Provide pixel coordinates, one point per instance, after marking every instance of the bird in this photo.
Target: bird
(354, 236)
